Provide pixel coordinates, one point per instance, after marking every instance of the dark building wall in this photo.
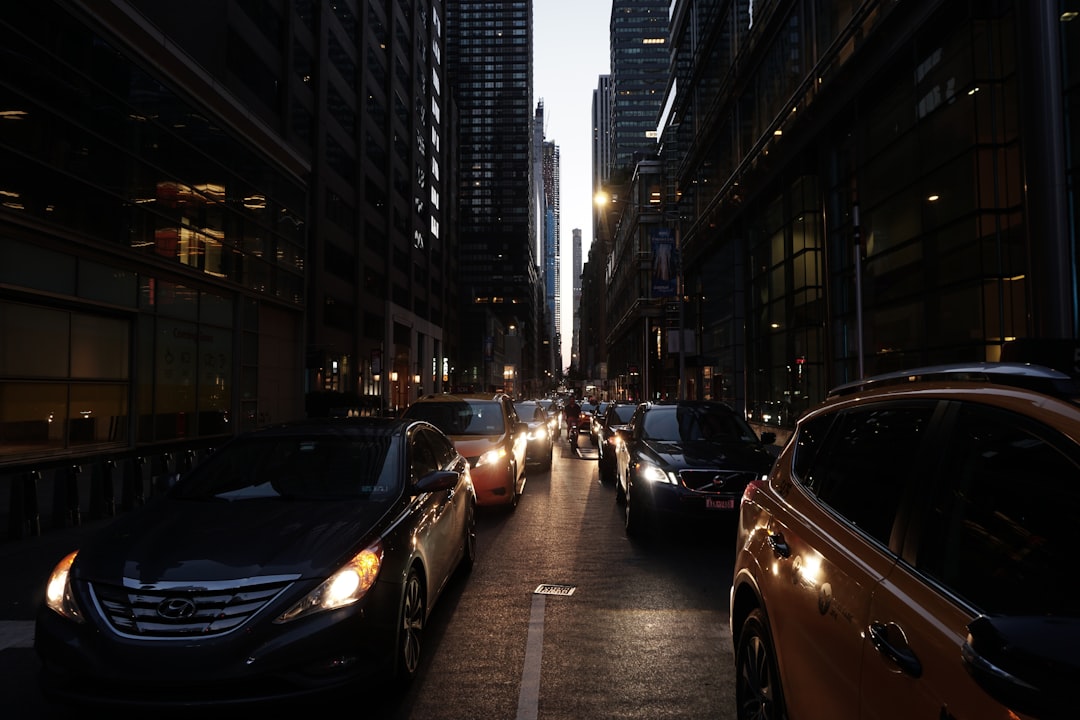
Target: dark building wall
(861, 187)
(489, 51)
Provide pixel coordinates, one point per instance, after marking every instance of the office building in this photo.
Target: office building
(489, 49)
(857, 188)
(216, 215)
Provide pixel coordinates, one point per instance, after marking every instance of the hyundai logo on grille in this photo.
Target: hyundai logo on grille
(176, 608)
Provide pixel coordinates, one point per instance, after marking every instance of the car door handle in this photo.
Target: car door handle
(779, 547)
(889, 640)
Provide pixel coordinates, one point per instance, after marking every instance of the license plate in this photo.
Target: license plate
(720, 503)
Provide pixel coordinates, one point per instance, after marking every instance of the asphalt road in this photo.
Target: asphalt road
(563, 617)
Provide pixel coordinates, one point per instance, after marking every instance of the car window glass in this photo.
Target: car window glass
(869, 459)
(712, 424)
(999, 528)
(294, 467)
(660, 425)
(422, 460)
(461, 418)
(808, 440)
(442, 448)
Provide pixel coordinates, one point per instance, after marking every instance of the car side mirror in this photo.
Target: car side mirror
(436, 481)
(1025, 662)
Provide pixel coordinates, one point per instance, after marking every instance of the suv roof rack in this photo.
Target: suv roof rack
(1022, 375)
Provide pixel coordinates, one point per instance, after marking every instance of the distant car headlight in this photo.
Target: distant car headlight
(538, 434)
(344, 587)
(652, 473)
(491, 457)
(58, 595)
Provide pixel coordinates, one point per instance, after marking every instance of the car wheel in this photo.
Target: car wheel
(516, 489)
(410, 642)
(635, 515)
(468, 559)
(757, 684)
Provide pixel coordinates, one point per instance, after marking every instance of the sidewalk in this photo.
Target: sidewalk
(27, 564)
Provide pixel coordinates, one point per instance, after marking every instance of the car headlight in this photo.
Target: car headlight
(538, 434)
(344, 587)
(58, 595)
(491, 457)
(652, 473)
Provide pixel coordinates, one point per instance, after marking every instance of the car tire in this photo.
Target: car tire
(606, 471)
(519, 479)
(636, 518)
(758, 695)
(468, 558)
(411, 638)
(620, 493)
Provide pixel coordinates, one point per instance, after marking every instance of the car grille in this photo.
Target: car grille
(714, 480)
(184, 610)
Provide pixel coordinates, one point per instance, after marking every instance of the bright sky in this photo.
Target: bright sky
(570, 53)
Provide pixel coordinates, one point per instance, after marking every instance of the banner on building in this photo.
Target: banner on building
(665, 262)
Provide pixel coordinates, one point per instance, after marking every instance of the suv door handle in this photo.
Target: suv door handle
(900, 653)
(779, 547)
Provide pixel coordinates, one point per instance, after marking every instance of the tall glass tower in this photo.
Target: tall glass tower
(639, 72)
(489, 47)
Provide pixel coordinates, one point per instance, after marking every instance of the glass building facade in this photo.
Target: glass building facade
(151, 255)
(861, 187)
(489, 48)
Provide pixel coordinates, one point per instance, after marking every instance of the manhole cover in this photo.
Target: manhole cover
(549, 589)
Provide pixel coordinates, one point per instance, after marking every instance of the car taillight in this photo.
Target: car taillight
(753, 485)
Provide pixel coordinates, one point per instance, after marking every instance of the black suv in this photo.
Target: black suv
(687, 459)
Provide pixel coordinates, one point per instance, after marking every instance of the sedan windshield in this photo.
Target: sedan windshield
(685, 424)
(296, 467)
(476, 417)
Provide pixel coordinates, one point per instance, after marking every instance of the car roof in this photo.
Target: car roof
(1036, 378)
(355, 426)
(460, 397)
(660, 404)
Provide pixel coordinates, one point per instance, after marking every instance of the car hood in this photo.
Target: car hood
(735, 455)
(184, 540)
(472, 446)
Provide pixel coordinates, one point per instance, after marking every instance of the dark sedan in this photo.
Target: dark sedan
(296, 560)
(686, 460)
(615, 417)
(541, 444)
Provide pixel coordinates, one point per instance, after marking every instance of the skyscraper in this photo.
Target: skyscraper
(550, 245)
(489, 48)
(576, 280)
(601, 133)
(639, 72)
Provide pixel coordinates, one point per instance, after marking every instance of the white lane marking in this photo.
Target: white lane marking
(16, 634)
(529, 695)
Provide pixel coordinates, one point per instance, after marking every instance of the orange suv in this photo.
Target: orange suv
(488, 432)
(908, 556)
